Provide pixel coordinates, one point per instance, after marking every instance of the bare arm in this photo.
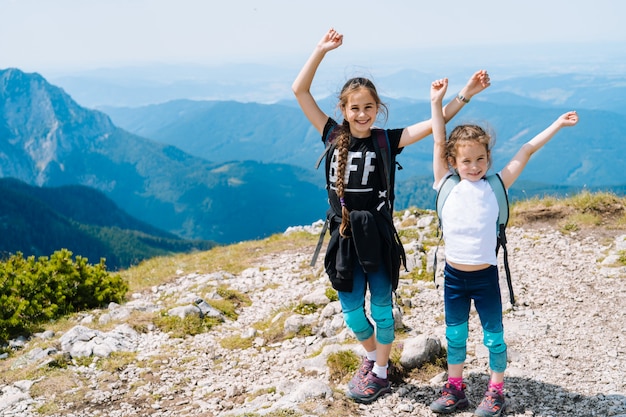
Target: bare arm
(516, 165)
(302, 85)
(477, 83)
(437, 92)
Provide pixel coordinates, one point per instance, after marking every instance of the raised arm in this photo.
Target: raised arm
(302, 85)
(477, 83)
(516, 165)
(437, 92)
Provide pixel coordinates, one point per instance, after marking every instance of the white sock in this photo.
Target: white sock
(380, 371)
(371, 355)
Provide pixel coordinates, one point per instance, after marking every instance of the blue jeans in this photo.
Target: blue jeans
(483, 287)
(353, 305)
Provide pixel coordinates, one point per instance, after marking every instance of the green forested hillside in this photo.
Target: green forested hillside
(39, 221)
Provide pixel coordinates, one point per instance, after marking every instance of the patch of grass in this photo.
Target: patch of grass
(600, 202)
(421, 273)
(569, 227)
(277, 413)
(409, 234)
(304, 331)
(58, 385)
(226, 307)
(586, 219)
(236, 342)
(15, 369)
(342, 364)
(306, 308)
(273, 328)
(116, 362)
(232, 258)
(191, 325)
(332, 295)
(60, 361)
(140, 321)
(622, 257)
(230, 302)
(581, 210)
(234, 296)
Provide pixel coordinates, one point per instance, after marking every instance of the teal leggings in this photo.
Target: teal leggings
(460, 289)
(381, 310)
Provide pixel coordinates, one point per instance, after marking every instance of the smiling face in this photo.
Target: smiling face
(472, 160)
(360, 111)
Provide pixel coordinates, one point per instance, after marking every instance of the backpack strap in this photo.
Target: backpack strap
(320, 241)
(442, 194)
(329, 141)
(503, 218)
(503, 200)
(444, 191)
(381, 145)
(383, 152)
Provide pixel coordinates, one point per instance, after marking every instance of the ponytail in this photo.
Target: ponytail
(343, 143)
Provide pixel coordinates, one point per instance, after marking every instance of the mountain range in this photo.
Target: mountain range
(582, 156)
(227, 171)
(47, 139)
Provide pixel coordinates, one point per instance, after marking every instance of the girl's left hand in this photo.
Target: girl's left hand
(568, 119)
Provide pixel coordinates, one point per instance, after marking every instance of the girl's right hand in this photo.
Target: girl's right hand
(331, 40)
(438, 90)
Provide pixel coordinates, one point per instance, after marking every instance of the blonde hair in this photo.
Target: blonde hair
(468, 133)
(343, 142)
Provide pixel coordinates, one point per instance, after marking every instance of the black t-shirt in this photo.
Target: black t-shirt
(364, 184)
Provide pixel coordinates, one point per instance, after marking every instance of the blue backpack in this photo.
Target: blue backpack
(503, 218)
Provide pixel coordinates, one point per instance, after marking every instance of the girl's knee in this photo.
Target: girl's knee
(456, 336)
(494, 341)
(383, 317)
(497, 350)
(359, 324)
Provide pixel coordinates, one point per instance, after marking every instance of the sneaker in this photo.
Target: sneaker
(366, 366)
(492, 405)
(370, 388)
(451, 400)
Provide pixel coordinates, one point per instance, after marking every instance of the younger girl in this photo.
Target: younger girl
(362, 244)
(469, 219)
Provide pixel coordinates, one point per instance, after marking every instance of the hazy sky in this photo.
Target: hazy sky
(38, 35)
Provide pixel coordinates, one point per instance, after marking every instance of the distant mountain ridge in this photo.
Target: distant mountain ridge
(583, 156)
(47, 139)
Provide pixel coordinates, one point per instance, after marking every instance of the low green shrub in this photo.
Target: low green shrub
(35, 291)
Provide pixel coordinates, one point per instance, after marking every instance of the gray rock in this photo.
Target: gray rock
(419, 350)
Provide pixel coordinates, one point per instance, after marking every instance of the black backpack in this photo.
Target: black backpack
(381, 146)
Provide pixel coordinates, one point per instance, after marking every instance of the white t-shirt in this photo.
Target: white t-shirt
(468, 220)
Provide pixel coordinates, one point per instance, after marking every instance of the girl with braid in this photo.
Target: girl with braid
(364, 251)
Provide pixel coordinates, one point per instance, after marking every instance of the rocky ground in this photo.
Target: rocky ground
(566, 338)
